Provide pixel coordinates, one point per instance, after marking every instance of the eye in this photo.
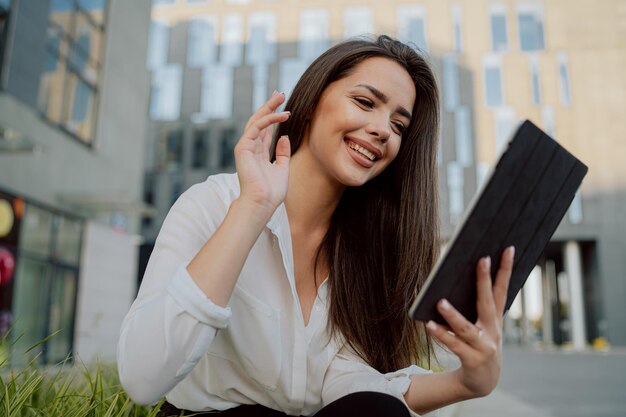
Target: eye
(364, 102)
(399, 127)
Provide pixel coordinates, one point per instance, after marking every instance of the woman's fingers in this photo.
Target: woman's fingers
(283, 151)
(485, 305)
(255, 129)
(503, 277)
(461, 327)
(458, 346)
(268, 107)
(266, 140)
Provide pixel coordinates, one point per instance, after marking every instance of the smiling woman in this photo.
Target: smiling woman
(284, 289)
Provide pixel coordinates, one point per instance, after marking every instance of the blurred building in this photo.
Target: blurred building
(559, 63)
(73, 105)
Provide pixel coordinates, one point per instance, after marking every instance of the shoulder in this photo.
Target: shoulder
(205, 203)
(217, 190)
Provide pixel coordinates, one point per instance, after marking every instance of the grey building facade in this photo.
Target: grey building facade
(73, 105)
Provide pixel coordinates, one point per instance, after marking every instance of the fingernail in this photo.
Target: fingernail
(283, 93)
(487, 263)
(431, 325)
(274, 93)
(445, 305)
(511, 252)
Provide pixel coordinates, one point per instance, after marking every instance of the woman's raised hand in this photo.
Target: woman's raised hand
(263, 183)
(478, 346)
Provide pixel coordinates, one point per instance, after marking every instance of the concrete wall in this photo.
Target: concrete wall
(105, 292)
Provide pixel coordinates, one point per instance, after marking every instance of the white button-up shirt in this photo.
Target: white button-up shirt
(175, 342)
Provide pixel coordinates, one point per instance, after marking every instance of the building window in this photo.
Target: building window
(497, 20)
(290, 71)
(200, 153)
(463, 136)
(492, 71)
(227, 159)
(530, 23)
(148, 198)
(575, 211)
(45, 286)
(455, 192)
(411, 26)
(202, 41)
(505, 122)
(534, 80)
(166, 92)
(313, 33)
(68, 87)
(259, 86)
(357, 21)
(457, 34)
(158, 45)
(216, 101)
(232, 40)
(94, 8)
(261, 39)
(564, 82)
(170, 150)
(450, 82)
(5, 6)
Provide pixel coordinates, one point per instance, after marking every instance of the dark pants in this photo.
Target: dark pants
(362, 404)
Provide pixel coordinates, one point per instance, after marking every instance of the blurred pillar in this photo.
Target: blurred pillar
(573, 268)
(548, 282)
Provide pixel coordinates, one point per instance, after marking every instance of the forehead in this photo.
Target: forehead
(385, 75)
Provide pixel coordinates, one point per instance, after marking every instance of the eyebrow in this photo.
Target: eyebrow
(383, 97)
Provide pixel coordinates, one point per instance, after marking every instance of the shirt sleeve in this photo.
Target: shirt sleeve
(348, 373)
(171, 323)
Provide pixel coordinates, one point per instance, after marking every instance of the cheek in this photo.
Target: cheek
(394, 148)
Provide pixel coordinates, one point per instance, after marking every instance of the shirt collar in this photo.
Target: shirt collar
(277, 218)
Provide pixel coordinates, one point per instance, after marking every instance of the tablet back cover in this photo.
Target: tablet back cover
(521, 204)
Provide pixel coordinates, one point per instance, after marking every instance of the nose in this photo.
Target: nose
(379, 129)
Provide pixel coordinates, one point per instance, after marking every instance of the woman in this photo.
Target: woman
(283, 289)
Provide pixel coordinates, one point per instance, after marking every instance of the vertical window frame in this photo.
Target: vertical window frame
(498, 10)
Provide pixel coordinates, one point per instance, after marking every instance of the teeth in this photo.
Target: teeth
(362, 151)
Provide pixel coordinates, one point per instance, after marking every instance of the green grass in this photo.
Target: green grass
(64, 390)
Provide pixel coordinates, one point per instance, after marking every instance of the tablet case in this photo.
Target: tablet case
(521, 204)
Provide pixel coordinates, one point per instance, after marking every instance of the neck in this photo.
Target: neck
(311, 197)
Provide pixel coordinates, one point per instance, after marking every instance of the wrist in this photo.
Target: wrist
(463, 392)
(256, 214)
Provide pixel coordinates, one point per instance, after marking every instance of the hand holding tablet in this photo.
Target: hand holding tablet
(520, 204)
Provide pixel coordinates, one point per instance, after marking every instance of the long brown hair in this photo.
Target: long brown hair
(383, 237)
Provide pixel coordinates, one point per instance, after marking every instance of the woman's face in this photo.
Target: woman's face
(356, 128)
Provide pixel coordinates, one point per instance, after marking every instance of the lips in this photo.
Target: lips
(364, 144)
(360, 157)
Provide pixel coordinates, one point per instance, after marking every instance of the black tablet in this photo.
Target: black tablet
(521, 203)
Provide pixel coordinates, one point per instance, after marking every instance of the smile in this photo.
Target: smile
(362, 151)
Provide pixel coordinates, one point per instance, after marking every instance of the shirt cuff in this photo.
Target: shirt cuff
(193, 300)
(399, 382)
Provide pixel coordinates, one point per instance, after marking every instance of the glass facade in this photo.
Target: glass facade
(5, 6)
(530, 23)
(492, 71)
(39, 263)
(411, 25)
(497, 19)
(68, 88)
